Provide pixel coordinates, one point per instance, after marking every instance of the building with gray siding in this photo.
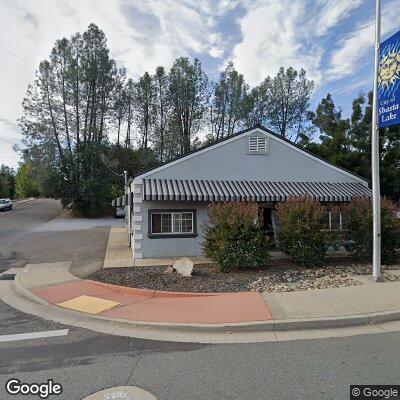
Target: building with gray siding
(167, 205)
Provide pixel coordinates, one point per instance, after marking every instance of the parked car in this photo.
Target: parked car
(5, 204)
(119, 212)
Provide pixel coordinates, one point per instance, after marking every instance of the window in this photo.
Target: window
(172, 223)
(334, 221)
(257, 144)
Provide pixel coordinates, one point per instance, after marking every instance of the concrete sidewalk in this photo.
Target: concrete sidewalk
(118, 252)
(371, 297)
(357, 305)
(54, 284)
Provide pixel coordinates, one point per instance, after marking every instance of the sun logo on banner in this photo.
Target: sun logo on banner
(389, 70)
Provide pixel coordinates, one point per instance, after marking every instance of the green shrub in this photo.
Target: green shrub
(233, 237)
(359, 229)
(300, 234)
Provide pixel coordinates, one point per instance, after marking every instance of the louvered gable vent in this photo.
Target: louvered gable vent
(257, 144)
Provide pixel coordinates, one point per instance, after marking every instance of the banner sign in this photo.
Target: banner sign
(389, 82)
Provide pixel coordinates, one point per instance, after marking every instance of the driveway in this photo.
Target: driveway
(33, 232)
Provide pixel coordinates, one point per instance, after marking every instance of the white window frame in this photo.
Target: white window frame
(173, 214)
(258, 144)
(341, 228)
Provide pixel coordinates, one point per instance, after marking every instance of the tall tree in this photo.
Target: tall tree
(347, 143)
(162, 111)
(189, 94)
(145, 106)
(228, 102)
(333, 131)
(286, 101)
(129, 98)
(119, 105)
(389, 147)
(254, 106)
(69, 107)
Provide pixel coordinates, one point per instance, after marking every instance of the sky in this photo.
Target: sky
(333, 40)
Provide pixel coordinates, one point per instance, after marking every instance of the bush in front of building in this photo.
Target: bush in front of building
(233, 237)
(359, 229)
(300, 235)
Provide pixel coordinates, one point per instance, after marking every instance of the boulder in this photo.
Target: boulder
(184, 266)
(169, 270)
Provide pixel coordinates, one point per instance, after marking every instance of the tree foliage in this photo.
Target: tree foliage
(347, 142)
(26, 183)
(144, 100)
(188, 94)
(7, 181)
(162, 113)
(227, 108)
(85, 119)
(284, 101)
(68, 109)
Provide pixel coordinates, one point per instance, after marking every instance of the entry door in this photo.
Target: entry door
(266, 222)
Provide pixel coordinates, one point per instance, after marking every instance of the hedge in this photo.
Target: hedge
(233, 237)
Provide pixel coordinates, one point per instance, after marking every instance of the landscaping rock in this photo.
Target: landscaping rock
(169, 270)
(318, 278)
(281, 277)
(184, 266)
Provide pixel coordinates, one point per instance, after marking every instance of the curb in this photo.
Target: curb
(17, 202)
(242, 327)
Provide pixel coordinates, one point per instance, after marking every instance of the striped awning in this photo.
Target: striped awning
(217, 190)
(121, 201)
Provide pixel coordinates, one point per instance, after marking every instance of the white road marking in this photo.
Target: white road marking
(33, 335)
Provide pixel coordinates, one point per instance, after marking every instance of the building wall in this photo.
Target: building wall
(232, 161)
(172, 247)
(145, 247)
(128, 216)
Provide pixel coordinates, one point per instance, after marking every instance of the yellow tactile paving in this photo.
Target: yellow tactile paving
(88, 304)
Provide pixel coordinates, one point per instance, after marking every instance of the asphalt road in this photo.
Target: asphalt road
(16, 223)
(32, 233)
(84, 362)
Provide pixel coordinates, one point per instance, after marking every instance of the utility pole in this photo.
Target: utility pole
(126, 178)
(376, 192)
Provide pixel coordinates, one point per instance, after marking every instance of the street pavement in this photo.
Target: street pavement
(33, 234)
(83, 361)
(16, 223)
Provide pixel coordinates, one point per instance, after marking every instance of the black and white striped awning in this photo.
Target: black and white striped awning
(121, 201)
(216, 190)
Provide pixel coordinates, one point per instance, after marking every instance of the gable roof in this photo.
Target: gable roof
(236, 136)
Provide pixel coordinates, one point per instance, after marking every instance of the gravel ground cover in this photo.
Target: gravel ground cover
(282, 277)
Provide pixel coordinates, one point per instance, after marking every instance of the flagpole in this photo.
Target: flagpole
(376, 195)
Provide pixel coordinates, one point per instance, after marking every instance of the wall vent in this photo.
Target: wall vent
(257, 144)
